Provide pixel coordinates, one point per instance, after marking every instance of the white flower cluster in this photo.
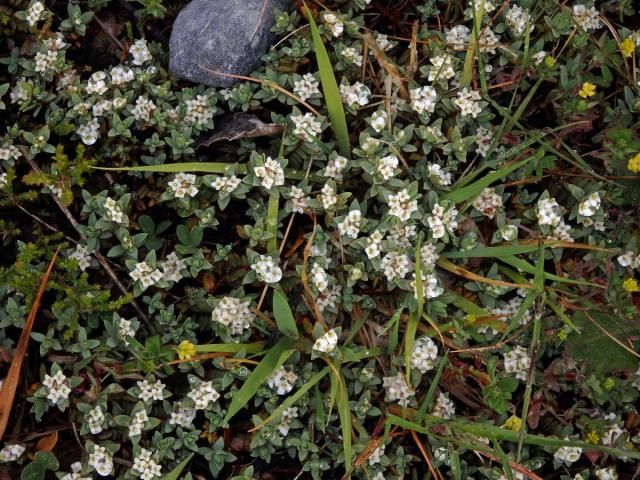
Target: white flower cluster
(352, 55)
(57, 387)
(378, 120)
(373, 244)
(428, 257)
(329, 300)
(587, 17)
(517, 362)
(387, 167)
(431, 286)
(401, 205)
(145, 274)
(328, 197)
(401, 235)
(488, 41)
(395, 265)
(438, 176)
(374, 458)
(198, 110)
(182, 416)
(81, 255)
(326, 343)
(397, 389)
(468, 102)
(271, 173)
(143, 109)
(306, 87)
(484, 137)
(444, 407)
(145, 467)
(137, 423)
(306, 126)
(203, 395)
(10, 152)
(334, 23)
(606, 474)
(150, 391)
(561, 232)
(46, 61)
(140, 52)
(125, 329)
(172, 267)
(114, 211)
(548, 212)
(101, 461)
(76, 473)
(11, 452)
(267, 269)
(234, 314)
(97, 83)
(487, 6)
(629, 259)
(282, 381)
(34, 13)
(89, 132)
(96, 420)
(458, 37)
(423, 99)
(442, 221)
(589, 205)
(226, 184)
(183, 185)
(442, 68)
(285, 421)
(4, 180)
(335, 167)
(298, 200)
(488, 202)
(424, 355)
(356, 95)
(121, 75)
(351, 224)
(319, 277)
(517, 19)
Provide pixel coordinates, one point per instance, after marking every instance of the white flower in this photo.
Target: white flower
(423, 99)
(387, 167)
(587, 18)
(351, 55)
(143, 109)
(226, 184)
(356, 95)
(442, 221)
(11, 452)
(468, 102)
(34, 13)
(145, 467)
(431, 286)
(45, 61)
(121, 75)
(150, 391)
(484, 138)
(438, 175)
(282, 381)
(4, 181)
(589, 205)
(611, 435)
(395, 265)
(125, 329)
(183, 185)
(517, 362)
(328, 197)
(306, 87)
(203, 395)
(298, 200)
(81, 255)
(442, 68)
(335, 167)
(57, 386)
(285, 422)
(183, 416)
(517, 19)
(397, 389)
(351, 224)
(89, 131)
(319, 277)
(101, 461)
(444, 407)
(140, 52)
(76, 473)
(628, 259)
(97, 83)
(198, 111)
(539, 57)
(428, 257)
(458, 36)
(424, 355)
(374, 458)
(306, 126)
(271, 173)
(334, 23)
(401, 205)
(488, 41)
(96, 420)
(10, 152)
(378, 120)
(233, 314)
(373, 245)
(548, 212)
(267, 270)
(327, 342)
(329, 300)
(487, 6)
(562, 231)
(145, 274)
(172, 267)
(488, 202)
(606, 473)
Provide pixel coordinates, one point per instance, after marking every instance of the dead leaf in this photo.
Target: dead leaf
(48, 443)
(241, 125)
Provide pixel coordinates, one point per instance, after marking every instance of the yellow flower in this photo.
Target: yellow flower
(513, 423)
(588, 90)
(186, 350)
(631, 285)
(634, 164)
(592, 437)
(627, 47)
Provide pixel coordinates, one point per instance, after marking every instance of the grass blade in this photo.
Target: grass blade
(274, 358)
(272, 221)
(175, 473)
(202, 167)
(492, 252)
(230, 347)
(284, 318)
(330, 89)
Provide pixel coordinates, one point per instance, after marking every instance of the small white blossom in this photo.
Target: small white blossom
(442, 68)
(335, 167)
(424, 355)
(121, 75)
(267, 270)
(81, 255)
(606, 474)
(285, 421)
(143, 109)
(351, 224)
(76, 473)
(306, 87)
(395, 265)
(306, 126)
(458, 36)
(233, 314)
(484, 138)
(140, 52)
(57, 386)
(319, 277)
(145, 274)
(517, 19)
(89, 132)
(125, 329)
(45, 62)
(183, 416)
(548, 212)
(356, 95)
(298, 200)
(387, 167)
(34, 13)
(327, 342)
(423, 99)
(488, 202)
(444, 407)
(334, 23)
(101, 461)
(374, 458)
(468, 101)
(150, 391)
(145, 467)
(517, 362)
(397, 389)
(11, 452)
(184, 185)
(282, 381)
(378, 120)
(328, 197)
(97, 83)
(589, 205)
(226, 184)
(203, 395)
(438, 175)
(587, 18)
(352, 56)
(401, 205)
(172, 267)
(271, 173)
(96, 420)
(198, 111)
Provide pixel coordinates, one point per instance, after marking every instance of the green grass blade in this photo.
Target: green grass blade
(525, 266)
(428, 397)
(330, 89)
(491, 252)
(275, 357)
(472, 47)
(467, 306)
(414, 317)
(272, 221)
(175, 473)
(202, 167)
(230, 347)
(344, 412)
(284, 318)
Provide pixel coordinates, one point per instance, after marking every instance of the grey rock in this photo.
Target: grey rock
(227, 36)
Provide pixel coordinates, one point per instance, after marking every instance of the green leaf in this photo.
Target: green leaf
(275, 357)
(284, 318)
(37, 469)
(230, 347)
(204, 167)
(330, 89)
(490, 252)
(272, 221)
(175, 473)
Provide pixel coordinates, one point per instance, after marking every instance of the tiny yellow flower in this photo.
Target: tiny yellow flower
(588, 90)
(186, 350)
(634, 164)
(471, 318)
(513, 423)
(628, 47)
(631, 285)
(592, 437)
(562, 335)
(550, 61)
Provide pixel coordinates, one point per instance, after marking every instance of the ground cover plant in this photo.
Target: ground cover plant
(424, 264)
